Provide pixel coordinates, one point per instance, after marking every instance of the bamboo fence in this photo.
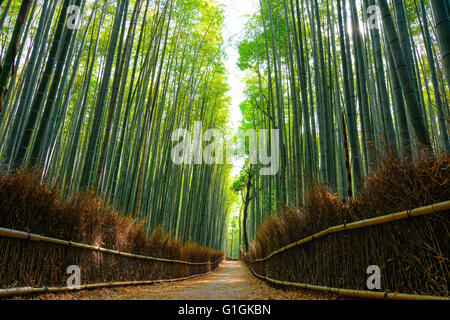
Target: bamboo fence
(442, 207)
(31, 290)
(27, 236)
(427, 210)
(38, 238)
(349, 292)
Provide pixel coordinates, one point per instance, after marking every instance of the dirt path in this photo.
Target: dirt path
(231, 281)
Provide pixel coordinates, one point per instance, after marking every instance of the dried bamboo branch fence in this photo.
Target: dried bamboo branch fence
(159, 265)
(349, 292)
(442, 208)
(38, 238)
(30, 290)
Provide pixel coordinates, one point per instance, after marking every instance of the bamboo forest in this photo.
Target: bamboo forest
(245, 149)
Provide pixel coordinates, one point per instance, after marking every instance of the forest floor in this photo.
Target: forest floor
(231, 281)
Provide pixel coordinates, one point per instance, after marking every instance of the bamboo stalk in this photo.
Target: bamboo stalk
(31, 290)
(350, 292)
(10, 233)
(427, 210)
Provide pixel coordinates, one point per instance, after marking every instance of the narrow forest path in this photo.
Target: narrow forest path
(231, 281)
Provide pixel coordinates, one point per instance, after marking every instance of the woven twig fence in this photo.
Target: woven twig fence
(410, 247)
(21, 252)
